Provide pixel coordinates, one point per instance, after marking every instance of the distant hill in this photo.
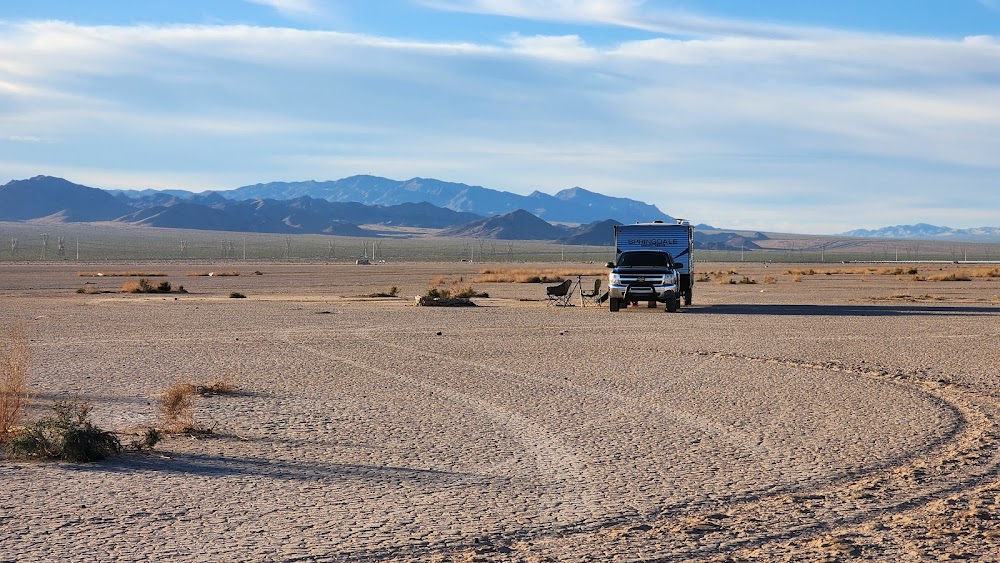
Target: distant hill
(516, 225)
(45, 196)
(574, 205)
(598, 233)
(924, 231)
(726, 241)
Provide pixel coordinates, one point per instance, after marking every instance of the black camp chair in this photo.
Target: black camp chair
(558, 295)
(591, 297)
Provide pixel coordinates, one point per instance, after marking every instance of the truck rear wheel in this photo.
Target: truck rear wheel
(687, 296)
(613, 304)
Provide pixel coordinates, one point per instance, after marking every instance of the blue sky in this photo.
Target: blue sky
(780, 115)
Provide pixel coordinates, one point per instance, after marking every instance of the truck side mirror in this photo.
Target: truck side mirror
(609, 265)
(678, 265)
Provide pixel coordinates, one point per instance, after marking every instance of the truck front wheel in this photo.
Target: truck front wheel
(672, 304)
(613, 304)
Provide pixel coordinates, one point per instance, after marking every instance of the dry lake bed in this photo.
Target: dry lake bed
(825, 412)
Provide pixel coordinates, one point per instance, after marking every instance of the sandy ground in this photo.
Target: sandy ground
(836, 417)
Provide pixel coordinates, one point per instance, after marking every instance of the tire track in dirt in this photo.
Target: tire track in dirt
(864, 517)
(563, 471)
(691, 524)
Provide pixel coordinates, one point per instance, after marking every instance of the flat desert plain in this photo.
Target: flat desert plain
(833, 415)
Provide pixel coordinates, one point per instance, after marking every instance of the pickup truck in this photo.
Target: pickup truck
(644, 275)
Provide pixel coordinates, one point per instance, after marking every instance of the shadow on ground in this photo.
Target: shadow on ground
(844, 310)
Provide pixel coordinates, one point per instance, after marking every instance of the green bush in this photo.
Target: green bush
(67, 434)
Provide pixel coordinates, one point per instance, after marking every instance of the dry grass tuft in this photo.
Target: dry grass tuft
(769, 279)
(176, 406)
(177, 403)
(15, 364)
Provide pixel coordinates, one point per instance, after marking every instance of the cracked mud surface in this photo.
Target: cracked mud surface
(826, 419)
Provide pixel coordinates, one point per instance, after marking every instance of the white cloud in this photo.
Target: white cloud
(769, 123)
(290, 8)
(568, 48)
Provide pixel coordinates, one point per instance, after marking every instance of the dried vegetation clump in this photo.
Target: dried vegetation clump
(15, 366)
(89, 288)
(441, 288)
(143, 285)
(177, 404)
(532, 275)
(393, 291)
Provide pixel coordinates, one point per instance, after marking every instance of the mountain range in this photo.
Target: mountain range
(574, 205)
(575, 216)
(46, 197)
(923, 231)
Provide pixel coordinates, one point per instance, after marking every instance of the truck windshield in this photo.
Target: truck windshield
(645, 259)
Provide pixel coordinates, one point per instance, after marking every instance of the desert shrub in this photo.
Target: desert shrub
(15, 363)
(147, 440)
(88, 288)
(143, 285)
(437, 292)
(66, 434)
(703, 278)
(258, 273)
(176, 407)
(747, 280)
(919, 278)
(809, 272)
(164, 287)
(467, 291)
(770, 279)
(796, 278)
(237, 295)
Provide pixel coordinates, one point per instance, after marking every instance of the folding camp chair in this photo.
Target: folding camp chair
(558, 295)
(591, 297)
